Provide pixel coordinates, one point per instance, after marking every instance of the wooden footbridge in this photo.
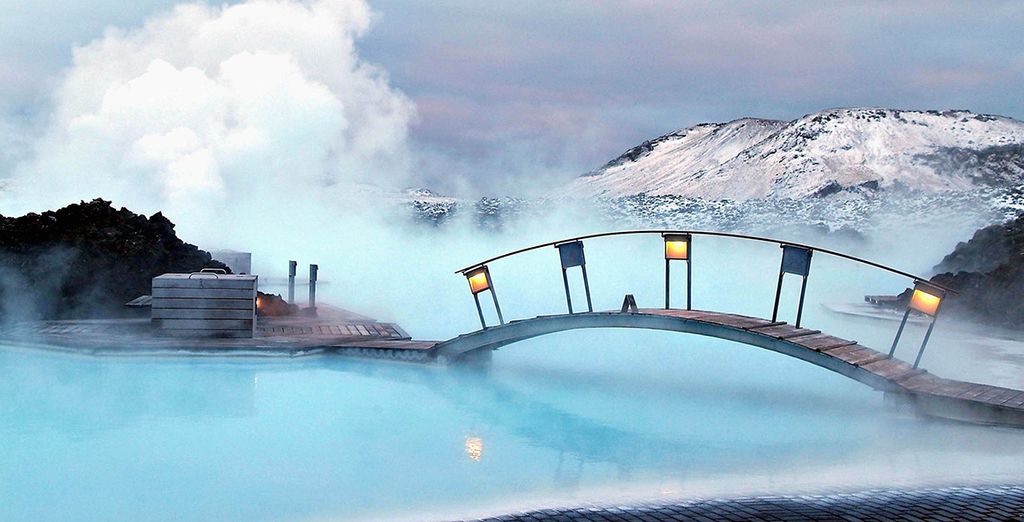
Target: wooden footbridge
(928, 393)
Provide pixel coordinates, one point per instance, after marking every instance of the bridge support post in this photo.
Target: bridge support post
(677, 247)
(927, 299)
(795, 260)
(689, 284)
(586, 288)
(778, 293)
(896, 340)
(571, 254)
(479, 311)
(924, 343)
(480, 280)
(568, 296)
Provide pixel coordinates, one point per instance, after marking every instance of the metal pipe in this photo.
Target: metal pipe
(568, 298)
(899, 332)
(292, 268)
(312, 285)
(586, 288)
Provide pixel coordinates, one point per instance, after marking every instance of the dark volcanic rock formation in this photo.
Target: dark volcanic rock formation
(988, 271)
(86, 260)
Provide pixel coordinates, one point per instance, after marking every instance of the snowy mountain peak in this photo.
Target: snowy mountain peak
(835, 150)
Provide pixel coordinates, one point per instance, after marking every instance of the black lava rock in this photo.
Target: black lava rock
(988, 271)
(87, 260)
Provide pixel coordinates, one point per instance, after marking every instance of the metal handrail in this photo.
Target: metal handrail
(715, 234)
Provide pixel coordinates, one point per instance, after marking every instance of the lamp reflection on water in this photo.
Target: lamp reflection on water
(474, 448)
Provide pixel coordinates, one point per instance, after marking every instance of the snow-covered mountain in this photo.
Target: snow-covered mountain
(838, 150)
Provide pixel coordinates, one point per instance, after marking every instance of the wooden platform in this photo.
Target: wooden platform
(333, 329)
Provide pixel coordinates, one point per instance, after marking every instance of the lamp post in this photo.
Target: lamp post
(480, 280)
(571, 254)
(927, 299)
(677, 248)
(795, 260)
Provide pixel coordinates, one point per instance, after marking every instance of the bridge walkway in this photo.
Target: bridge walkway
(927, 393)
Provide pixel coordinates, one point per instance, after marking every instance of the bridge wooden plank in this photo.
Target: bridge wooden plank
(857, 357)
(1016, 401)
(996, 395)
(388, 345)
(786, 331)
(737, 321)
(822, 342)
(878, 356)
(767, 325)
(1004, 395)
(973, 391)
(836, 352)
(890, 369)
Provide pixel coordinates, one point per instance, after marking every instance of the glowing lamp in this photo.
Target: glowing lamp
(479, 280)
(926, 298)
(677, 246)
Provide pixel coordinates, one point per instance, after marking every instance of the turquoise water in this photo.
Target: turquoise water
(598, 415)
(604, 416)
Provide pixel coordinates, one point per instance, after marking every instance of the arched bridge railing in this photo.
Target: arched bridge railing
(796, 258)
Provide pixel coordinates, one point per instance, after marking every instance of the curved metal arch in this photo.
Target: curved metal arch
(521, 330)
(713, 234)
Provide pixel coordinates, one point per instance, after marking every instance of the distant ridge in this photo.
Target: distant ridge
(860, 150)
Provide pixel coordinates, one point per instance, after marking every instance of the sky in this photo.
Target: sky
(511, 96)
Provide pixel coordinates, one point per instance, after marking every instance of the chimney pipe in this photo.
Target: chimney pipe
(312, 287)
(292, 266)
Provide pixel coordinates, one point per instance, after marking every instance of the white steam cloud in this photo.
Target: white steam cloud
(219, 115)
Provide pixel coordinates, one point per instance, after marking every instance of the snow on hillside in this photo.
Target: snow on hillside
(839, 150)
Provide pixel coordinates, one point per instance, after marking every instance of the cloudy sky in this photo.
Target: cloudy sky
(506, 93)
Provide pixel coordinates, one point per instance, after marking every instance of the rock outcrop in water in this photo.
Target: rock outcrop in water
(988, 271)
(86, 260)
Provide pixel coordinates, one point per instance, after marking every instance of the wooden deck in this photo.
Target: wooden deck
(333, 329)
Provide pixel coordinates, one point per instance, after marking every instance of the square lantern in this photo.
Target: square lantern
(926, 298)
(677, 246)
(571, 254)
(479, 280)
(796, 260)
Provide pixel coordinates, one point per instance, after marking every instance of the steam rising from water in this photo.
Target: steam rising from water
(219, 116)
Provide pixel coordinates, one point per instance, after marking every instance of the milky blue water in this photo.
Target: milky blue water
(572, 417)
(601, 415)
